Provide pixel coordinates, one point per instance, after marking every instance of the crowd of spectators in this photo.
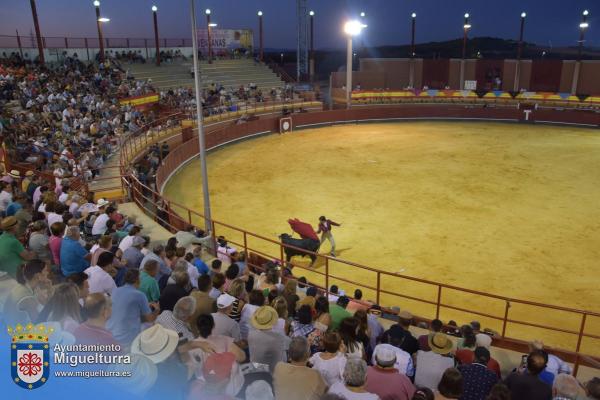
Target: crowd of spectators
(218, 99)
(204, 323)
(66, 120)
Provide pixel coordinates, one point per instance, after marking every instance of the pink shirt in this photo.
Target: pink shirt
(54, 242)
(388, 384)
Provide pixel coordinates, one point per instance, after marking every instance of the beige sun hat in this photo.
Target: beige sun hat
(155, 343)
(264, 318)
(440, 343)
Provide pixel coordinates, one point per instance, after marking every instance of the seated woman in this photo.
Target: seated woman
(25, 300)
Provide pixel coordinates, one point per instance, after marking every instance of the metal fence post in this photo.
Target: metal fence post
(505, 320)
(439, 300)
(579, 339)
(378, 297)
(87, 49)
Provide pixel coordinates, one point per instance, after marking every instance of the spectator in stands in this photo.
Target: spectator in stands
(291, 297)
(355, 379)
(466, 356)
(224, 325)
(309, 299)
(12, 252)
(39, 242)
(527, 385)
(100, 280)
(338, 312)
(130, 309)
(323, 317)
(204, 303)
(218, 372)
(259, 390)
(434, 327)
(468, 340)
(198, 262)
(256, 299)
(158, 254)
(218, 281)
(127, 241)
(230, 274)
(132, 255)
(57, 230)
(73, 256)
(303, 326)
(266, 346)
(404, 362)
(333, 294)
(179, 319)
(160, 345)
(148, 283)
(97, 308)
(384, 380)
(478, 379)
(205, 325)
(81, 280)
(237, 289)
(331, 362)
(450, 386)
(21, 304)
(175, 291)
(554, 365)
(294, 380)
(283, 325)
(64, 306)
(100, 226)
(423, 393)
(565, 387)
(410, 344)
(357, 303)
(432, 364)
(592, 389)
(348, 331)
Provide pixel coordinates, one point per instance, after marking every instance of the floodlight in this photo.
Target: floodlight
(260, 13)
(414, 15)
(103, 19)
(154, 8)
(311, 13)
(353, 28)
(523, 15)
(207, 11)
(96, 3)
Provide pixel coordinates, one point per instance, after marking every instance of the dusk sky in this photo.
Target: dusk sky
(549, 22)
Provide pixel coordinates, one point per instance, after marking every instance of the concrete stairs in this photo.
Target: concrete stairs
(229, 73)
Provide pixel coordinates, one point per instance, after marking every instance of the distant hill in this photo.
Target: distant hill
(478, 47)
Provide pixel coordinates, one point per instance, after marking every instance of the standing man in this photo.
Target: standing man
(325, 230)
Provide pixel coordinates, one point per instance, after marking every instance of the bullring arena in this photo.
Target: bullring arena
(502, 208)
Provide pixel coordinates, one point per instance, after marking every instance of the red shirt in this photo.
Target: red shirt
(88, 334)
(54, 243)
(388, 384)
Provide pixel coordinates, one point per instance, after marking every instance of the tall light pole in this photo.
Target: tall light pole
(411, 79)
(99, 25)
(519, 53)
(38, 35)
(154, 10)
(206, 195)
(363, 15)
(260, 36)
(208, 35)
(312, 45)
(351, 28)
(582, 27)
(466, 27)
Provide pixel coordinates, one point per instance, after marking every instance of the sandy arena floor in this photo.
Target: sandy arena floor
(506, 209)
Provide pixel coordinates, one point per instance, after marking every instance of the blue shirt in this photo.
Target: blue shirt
(128, 307)
(13, 208)
(72, 255)
(201, 266)
(478, 381)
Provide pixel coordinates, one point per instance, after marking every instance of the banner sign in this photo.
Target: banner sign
(140, 101)
(225, 39)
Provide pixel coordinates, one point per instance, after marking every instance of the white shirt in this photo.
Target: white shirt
(430, 368)
(245, 325)
(194, 274)
(100, 281)
(332, 370)
(100, 224)
(126, 243)
(5, 200)
(347, 394)
(63, 197)
(53, 217)
(403, 364)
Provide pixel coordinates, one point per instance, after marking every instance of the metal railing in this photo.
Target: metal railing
(57, 42)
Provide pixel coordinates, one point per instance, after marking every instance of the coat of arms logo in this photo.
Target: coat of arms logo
(30, 355)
